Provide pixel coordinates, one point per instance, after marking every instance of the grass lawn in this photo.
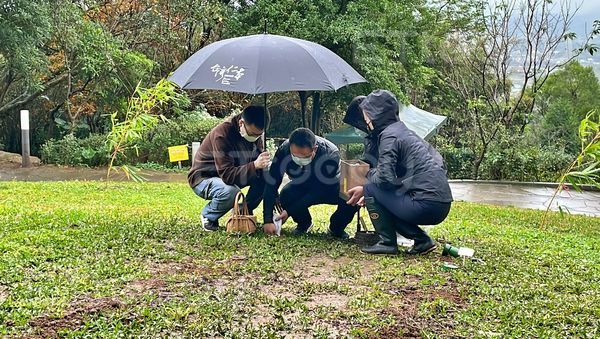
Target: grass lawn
(87, 259)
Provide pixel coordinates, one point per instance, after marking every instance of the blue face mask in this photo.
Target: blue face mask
(302, 161)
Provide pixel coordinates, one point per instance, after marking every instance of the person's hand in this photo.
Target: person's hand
(262, 161)
(356, 195)
(269, 229)
(283, 216)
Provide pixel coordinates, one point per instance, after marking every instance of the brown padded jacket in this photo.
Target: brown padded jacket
(224, 153)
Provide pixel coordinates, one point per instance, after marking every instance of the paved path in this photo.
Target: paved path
(535, 196)
(505, 194)
(59, 173)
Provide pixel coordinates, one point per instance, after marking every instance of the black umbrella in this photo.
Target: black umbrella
(265, 63)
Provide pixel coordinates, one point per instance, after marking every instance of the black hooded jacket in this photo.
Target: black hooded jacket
(399, 158)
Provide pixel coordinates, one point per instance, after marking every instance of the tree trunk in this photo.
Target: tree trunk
(479, 160)
(28, 97)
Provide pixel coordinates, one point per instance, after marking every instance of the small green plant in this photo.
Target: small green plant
(271, 147)
(142, 114)
(585, 169)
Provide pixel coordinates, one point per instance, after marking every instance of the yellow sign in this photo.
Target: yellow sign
(178, 153)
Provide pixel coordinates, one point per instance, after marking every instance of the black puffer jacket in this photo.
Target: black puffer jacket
(400, 159)
(323, 174)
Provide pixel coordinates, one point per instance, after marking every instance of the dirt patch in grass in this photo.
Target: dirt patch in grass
(321, 268)
(190, 267)
(49, 326)
(333, 300)
(159, 288)
(81, 309)
(318, 287)
(409, 320)
(280, 289)
(3, 293)
(186, 266)
(136, 287)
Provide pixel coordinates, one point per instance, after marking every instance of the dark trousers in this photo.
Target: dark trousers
(296, 199)
(409, 213)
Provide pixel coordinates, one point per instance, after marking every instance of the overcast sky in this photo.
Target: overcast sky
(588, 12)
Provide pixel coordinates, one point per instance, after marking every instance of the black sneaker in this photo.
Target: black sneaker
(422, 248)
(339, 235)
(208, 225)
(302, 229)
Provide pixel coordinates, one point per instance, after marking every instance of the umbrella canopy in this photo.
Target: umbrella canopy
(265, 63)
(424, 123)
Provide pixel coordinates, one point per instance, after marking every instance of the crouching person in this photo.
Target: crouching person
(407, 185)
(230, 158)
(313, 165)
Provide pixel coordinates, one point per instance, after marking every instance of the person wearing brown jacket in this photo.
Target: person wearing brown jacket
(230, 157)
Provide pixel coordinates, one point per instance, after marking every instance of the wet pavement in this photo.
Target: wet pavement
(535, 196)
(60, 173)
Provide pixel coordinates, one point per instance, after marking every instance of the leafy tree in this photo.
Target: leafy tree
(566, 98)
(479, 63)
(63, 66)
(381, 39)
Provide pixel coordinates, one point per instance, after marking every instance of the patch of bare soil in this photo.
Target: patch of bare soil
(187, 266)
(316, 270)
(322, 269)
(48, 326)
(409, 323)
(333, 300)
(3, 293)
(279, 289)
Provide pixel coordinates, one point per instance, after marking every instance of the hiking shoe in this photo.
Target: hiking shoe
(422, 247)
(339, 235)
(302, 229)
(210, 226)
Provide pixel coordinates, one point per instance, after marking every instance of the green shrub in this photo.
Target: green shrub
(459, 161)
(92, 151)
(184, 129)
(69, 150)
(353, 151)
(525, 164)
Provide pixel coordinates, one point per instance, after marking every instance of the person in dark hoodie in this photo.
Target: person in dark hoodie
(407, 185)
(230, 158)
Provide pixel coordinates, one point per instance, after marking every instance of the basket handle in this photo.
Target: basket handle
(236, 205)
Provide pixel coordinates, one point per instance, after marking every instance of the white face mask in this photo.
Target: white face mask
(245, 135)
(301, 161)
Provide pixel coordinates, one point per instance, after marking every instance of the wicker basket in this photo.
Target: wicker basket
(241, 221)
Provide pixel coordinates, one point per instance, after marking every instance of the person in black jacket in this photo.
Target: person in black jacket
(407, 185)
(313, 165)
